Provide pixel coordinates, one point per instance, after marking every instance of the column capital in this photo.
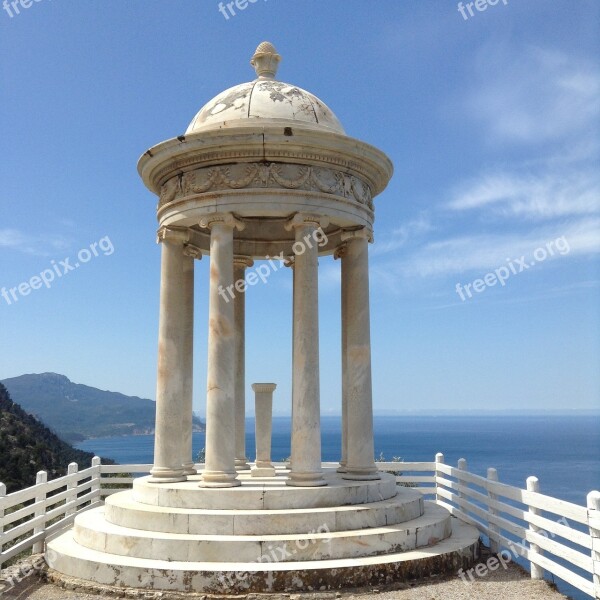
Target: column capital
(340, 251)
(242, 261)
(301, 219)
(192, 251)
(264, 388)
(363, 232)
(172, 234)
(224, 218)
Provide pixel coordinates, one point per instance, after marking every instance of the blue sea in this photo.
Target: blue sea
(563, 451)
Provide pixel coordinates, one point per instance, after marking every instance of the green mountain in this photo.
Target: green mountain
(28, 446)
(76, 412)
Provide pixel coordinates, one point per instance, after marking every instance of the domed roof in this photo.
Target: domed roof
(265, 98)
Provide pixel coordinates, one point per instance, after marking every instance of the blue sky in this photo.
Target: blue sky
(492, 125)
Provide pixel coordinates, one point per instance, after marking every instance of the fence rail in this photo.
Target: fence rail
(555, 536)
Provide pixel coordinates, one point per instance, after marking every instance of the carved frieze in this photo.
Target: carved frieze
(270, 176)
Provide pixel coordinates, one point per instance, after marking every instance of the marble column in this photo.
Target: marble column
(339, 254)
(361, 454)
(220, 401)
(306, 426)
(240, 264)
(191, 254)
(263, 427)
(170, 392)
(289, 262)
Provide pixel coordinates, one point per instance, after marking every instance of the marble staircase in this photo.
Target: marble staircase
(184, 538)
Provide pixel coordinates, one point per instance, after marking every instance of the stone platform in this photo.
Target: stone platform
(181, 537)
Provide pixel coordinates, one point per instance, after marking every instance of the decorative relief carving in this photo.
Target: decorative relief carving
(174, 234)
(300, 219)
(362, 232)
(192, 251)
(169, 190)
(330, 182)
(243, 180)
(340, 251)
(198, 182)
(270, 176)
(224, 218)
(242, 261)
(278, 173)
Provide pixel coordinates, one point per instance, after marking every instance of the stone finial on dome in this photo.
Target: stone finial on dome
(266, 61)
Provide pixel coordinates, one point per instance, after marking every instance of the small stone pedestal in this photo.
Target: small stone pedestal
(264, 424)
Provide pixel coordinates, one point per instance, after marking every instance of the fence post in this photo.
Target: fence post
(439, 460)
(533, 485)
(40, 497)
(462, 466)
(71, 470)
(2, 495)
(593, 504)
(492, 475)
(96, 476)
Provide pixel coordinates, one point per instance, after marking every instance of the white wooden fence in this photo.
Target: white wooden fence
(518, 522)
(556, 536)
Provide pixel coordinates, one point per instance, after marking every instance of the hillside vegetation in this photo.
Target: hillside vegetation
(28, 446)
(77, 412)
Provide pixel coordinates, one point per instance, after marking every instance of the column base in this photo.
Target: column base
(361, 474)
(342, 468)
(219, 479)
(263, 472)
(264, 464)
(241, 464)
(310, 479)
(189, 469)
(162, 475)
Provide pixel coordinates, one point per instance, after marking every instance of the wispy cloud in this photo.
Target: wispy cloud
(411, 230)
(473, 253)
(544, 196)
(37, 245)
(536, 96)
(456, 256)
(585, 287)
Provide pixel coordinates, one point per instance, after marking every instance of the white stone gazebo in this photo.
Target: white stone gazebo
(264, 172)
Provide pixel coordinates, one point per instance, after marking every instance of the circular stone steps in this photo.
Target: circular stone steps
(66, 557)
(265, 494)
(121, 509)
(93, 531)
(262, 536)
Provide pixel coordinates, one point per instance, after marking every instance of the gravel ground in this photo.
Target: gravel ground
(510, 584)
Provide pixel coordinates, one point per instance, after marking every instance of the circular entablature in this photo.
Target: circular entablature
(267, 238)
